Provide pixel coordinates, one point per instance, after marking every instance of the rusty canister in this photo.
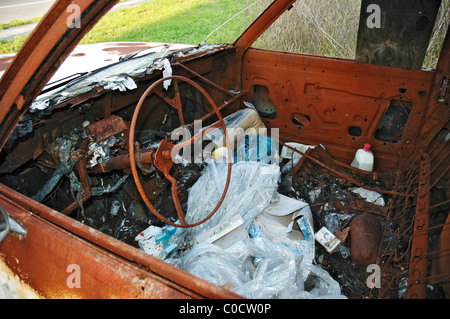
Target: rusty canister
(365, 233)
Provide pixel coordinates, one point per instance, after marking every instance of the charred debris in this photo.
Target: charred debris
(73, 157)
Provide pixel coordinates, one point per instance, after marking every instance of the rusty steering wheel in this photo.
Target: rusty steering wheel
(162, 158)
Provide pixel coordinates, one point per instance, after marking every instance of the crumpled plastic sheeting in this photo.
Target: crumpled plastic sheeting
(121, 83)
(114, 77)
(167, 71)
(118, 76)
(254, 267)
(252, 185)
(370, 196)
(258, 268)
(64, 168)
(213, 264)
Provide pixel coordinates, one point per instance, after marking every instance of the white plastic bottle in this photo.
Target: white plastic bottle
(364, 159)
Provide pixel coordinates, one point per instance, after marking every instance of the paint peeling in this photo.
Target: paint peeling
(117, 76)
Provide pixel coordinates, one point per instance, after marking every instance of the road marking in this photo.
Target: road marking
(26, 4)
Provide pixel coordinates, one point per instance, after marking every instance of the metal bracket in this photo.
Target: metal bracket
(443, 90)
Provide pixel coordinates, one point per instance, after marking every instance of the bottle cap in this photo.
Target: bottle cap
(220, 153)
(367, 147)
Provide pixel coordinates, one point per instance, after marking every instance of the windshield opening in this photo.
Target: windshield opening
(183, 22)
(327, 28)
(330, 28)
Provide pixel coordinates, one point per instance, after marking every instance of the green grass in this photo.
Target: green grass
(13, 45)
(17, 22)
(178, 21)
(175, 21)
(327, 28)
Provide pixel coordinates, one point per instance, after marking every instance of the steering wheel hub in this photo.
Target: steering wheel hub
(163, 159)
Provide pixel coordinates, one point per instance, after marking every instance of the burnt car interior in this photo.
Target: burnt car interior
(94, 152)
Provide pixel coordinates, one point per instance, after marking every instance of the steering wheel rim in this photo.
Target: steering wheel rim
(161, 155)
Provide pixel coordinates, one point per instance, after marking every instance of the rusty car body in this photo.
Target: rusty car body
(339, 103)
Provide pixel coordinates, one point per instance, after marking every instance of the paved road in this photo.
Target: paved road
(23, 9)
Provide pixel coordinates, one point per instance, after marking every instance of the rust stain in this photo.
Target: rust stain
(365, 233)
(103, 129)
(126, 48)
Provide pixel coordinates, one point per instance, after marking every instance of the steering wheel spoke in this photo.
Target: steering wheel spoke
(175, 101)
(163, 157)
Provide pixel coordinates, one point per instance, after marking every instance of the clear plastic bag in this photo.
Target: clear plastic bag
(256, 148)
(324, 286)
(259, 268)
(255, 267)
(213, 264)
(280, 273)
(276, 273)
(252, 185)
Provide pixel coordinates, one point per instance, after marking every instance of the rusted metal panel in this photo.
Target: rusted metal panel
(334, 96)
(418, 266)
(43, 257)
(113, 268)
(12, 287)
(108, 127)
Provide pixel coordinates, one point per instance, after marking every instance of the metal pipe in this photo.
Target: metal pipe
(123, 162)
